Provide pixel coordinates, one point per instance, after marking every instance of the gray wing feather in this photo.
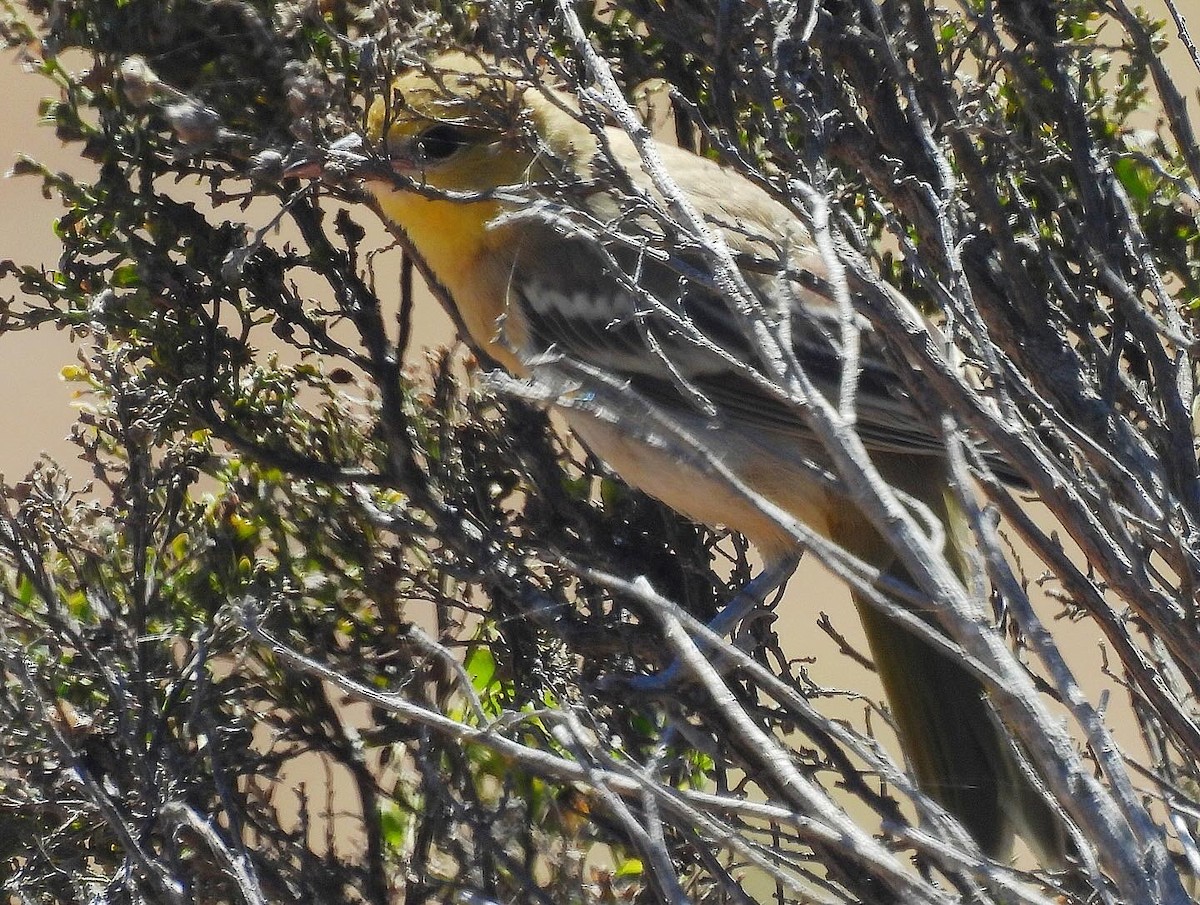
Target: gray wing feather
(673, 338)
(592, 309)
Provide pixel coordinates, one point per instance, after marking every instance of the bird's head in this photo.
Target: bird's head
(451, 136)
(451, 125)
(447, 149)
(459, 125)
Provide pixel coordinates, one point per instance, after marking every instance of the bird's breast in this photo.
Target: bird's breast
(469, 258)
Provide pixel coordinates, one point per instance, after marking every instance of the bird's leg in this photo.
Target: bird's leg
(752, 595)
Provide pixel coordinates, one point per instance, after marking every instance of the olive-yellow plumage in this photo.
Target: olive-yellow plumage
(473, 149)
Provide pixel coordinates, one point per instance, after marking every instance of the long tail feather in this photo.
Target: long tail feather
(949, 733)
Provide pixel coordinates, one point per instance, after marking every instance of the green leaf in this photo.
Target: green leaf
(630, 868)
(481, 667)
(125, 276)
(25, 590)
(1136, 179)
(394, 824)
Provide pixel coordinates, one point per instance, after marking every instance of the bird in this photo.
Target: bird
(557, 266)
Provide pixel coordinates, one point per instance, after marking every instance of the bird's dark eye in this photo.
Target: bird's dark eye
(440, 142)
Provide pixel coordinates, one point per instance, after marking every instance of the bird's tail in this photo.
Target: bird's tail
(950, 735)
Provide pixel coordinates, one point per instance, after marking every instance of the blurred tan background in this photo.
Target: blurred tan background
(37, 413)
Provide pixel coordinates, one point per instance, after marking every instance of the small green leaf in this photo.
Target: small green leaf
(629, 869)
(125, 276)
(1135, 178)
(481, 667)
(25, 590)
(394, 824)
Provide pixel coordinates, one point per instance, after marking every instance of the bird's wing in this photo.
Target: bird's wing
(677, 341)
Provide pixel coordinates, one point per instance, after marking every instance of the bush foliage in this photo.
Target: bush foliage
(305, 542)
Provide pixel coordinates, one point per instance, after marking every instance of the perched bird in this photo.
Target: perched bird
(557, 263)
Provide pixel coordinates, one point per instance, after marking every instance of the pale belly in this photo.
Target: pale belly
(676, 472)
